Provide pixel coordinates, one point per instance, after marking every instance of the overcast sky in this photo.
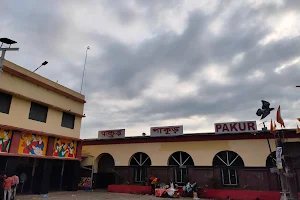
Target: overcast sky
(157, 63)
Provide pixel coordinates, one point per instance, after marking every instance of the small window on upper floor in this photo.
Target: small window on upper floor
(68, 120)
(38, 112)
(5, 101)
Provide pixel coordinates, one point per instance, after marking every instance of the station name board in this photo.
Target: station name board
(235, 127)
(111, 134)
(166, 131)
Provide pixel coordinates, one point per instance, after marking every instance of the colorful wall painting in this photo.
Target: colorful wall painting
(33, 144)
(64, 148)
(5, 140)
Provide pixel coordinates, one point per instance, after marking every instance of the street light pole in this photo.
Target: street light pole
(43, 64)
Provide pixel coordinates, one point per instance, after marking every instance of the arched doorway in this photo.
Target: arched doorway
(227, 161)
(106, 171)
(140, 161)
(181, 160)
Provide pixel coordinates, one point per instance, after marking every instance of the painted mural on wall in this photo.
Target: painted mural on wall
(33, 144)
(64, 148)
(5, 140)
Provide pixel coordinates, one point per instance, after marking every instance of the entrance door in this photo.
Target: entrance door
(106, 172)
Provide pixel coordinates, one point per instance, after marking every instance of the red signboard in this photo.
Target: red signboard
(111, 134)
(235, 127)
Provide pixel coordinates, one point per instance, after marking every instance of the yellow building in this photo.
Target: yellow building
(40, 123)
(216, 161)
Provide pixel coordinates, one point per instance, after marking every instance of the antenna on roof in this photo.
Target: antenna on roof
(88, 48)
(3, 50)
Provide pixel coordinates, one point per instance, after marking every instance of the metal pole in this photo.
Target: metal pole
(37, 68)
(282, 176)
(1, 60)
(92, 176)
(84, 68)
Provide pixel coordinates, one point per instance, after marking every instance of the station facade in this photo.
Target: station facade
(40, 123)
(236, 160)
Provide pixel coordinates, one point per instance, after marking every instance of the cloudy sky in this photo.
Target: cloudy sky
(154, 62)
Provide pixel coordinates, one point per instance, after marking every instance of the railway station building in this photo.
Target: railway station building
(40, 123)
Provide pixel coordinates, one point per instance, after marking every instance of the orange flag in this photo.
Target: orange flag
(272, 128)
(297, 129)
(279, 118)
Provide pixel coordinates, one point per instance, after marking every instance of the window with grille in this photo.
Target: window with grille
(227, 161)
(5, 101)
(68, 120)
(140, 174)
(140, 161)
(180, 175)
(38, 112)
(181, 160)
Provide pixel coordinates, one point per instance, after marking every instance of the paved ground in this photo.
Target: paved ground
(90, 195)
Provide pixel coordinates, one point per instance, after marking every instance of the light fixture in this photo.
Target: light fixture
(43, 64)
(4, 49)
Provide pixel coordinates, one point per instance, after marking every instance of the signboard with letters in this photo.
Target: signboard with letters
(111, 134)
(235, 127)
(166, 131)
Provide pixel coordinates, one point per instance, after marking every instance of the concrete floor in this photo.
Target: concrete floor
(90, 195)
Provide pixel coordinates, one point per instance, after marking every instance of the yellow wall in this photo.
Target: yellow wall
(20, 106)
(253, 152)
(19, 113)
(28, 89)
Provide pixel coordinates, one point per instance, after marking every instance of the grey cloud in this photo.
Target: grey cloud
(123, 72)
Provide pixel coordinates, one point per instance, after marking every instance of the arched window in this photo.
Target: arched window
(271, 160)
(181, 160)
(227, 161)
(140, 161)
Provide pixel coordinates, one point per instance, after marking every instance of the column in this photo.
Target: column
(42, 176)
(72, 184)
(15, 140)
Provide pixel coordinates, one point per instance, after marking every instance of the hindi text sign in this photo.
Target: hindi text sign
(166, 131)
(111, 134)
(235, 127)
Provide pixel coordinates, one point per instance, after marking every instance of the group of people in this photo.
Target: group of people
(9, 187)
(172, 190)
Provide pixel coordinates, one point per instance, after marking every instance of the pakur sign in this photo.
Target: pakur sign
(235, 127)
(166, 131)
(111, 134)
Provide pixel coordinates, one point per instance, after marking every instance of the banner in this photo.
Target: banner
(5, 140)
(111, 134)
(166, 131)
(278, 157)
(64, 148)
(33, 144)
